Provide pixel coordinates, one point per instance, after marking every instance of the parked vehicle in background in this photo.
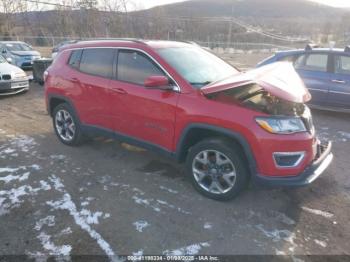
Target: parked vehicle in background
(325, 72)
(19, 53)
(56, 48)
(13, 80)
(180, 100)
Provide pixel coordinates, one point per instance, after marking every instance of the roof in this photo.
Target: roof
(126, 42)
(314, 50)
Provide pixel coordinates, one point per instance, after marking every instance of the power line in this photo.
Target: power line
(49, 3)
(249, 28)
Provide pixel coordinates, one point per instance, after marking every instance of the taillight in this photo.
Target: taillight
(46, 73)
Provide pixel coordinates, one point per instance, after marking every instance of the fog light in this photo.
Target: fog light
(288, 159)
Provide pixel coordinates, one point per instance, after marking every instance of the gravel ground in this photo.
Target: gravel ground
(104, 198)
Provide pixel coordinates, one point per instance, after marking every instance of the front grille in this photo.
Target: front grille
(6, 77)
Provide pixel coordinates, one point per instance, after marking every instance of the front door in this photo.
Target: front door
(145, 114)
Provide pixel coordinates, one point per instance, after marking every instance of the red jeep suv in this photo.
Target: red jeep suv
(184, 102)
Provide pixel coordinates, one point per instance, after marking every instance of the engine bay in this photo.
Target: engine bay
(256, 98)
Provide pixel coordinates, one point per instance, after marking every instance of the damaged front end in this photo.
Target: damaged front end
(275, 90)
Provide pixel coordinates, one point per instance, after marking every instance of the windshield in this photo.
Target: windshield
(2, 60)
(196, 65)
(18, 47)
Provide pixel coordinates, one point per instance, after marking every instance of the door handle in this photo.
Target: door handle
(338, 81)
(74, 80)
(119, 90)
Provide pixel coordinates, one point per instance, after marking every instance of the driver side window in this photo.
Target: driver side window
(134, 67)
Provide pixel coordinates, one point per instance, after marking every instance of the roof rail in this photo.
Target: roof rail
(116, 39)
(347, 49)
(309, 47)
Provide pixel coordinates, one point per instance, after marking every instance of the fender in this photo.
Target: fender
(64, 98)
(180, 152)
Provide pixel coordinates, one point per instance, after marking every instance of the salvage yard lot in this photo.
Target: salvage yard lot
(104, 199)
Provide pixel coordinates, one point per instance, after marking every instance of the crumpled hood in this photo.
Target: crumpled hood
(26, 53)
(279, 79)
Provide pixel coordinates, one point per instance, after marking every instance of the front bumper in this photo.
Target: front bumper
(323, 159)
(12, 87)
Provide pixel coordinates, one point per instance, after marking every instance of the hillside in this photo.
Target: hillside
(189, 21)
(249, 8)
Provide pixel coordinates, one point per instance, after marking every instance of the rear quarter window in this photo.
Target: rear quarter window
(74, 59)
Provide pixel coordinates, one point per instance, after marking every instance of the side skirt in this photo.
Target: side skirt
(98, 131)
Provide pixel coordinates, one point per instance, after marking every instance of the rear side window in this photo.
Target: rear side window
(97, 62)
(312, 62)
(74, 59)
(342, 65)
(135, 67)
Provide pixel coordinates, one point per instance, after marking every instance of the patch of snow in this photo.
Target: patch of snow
(23, 142)
(54, 250)
(187, 250)
(66, 203)
(49, 220)
(65, 231)
(320, 243)
(344, 134)
(280, 253)
(278, 235)
(146, 203)
(138, 253)
(169, 190)
(58, 157)
(137, 190)
(140, 225)
(208, 225)
(91, 218)
(318, 212)
(10, 178)
(14, 195)
(9, 169)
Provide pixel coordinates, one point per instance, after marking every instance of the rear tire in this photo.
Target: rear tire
(216, 169)
(67, 125)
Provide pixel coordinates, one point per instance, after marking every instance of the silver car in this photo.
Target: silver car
(19, 53)
(13, 79)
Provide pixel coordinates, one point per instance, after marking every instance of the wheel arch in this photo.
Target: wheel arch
(196, 132)
(55, 100)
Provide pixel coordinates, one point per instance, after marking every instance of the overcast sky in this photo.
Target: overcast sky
(150, 3)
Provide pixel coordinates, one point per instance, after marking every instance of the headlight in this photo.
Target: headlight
(281, 125)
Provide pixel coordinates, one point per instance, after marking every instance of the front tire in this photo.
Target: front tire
(216, 169)
(67, 125)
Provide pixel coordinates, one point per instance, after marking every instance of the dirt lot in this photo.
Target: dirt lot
(104, 199)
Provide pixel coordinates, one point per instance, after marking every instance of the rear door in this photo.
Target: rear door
(145, 114)
(339, 92)
(94, 76)
(313, 68)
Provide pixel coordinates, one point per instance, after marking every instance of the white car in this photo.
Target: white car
(13, 79)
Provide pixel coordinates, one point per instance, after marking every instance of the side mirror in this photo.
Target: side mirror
(157, 82)
(4, 51)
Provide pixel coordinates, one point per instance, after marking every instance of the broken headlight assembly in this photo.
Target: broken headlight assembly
(281, 125)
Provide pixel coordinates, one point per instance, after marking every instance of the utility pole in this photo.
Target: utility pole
(230, 30)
